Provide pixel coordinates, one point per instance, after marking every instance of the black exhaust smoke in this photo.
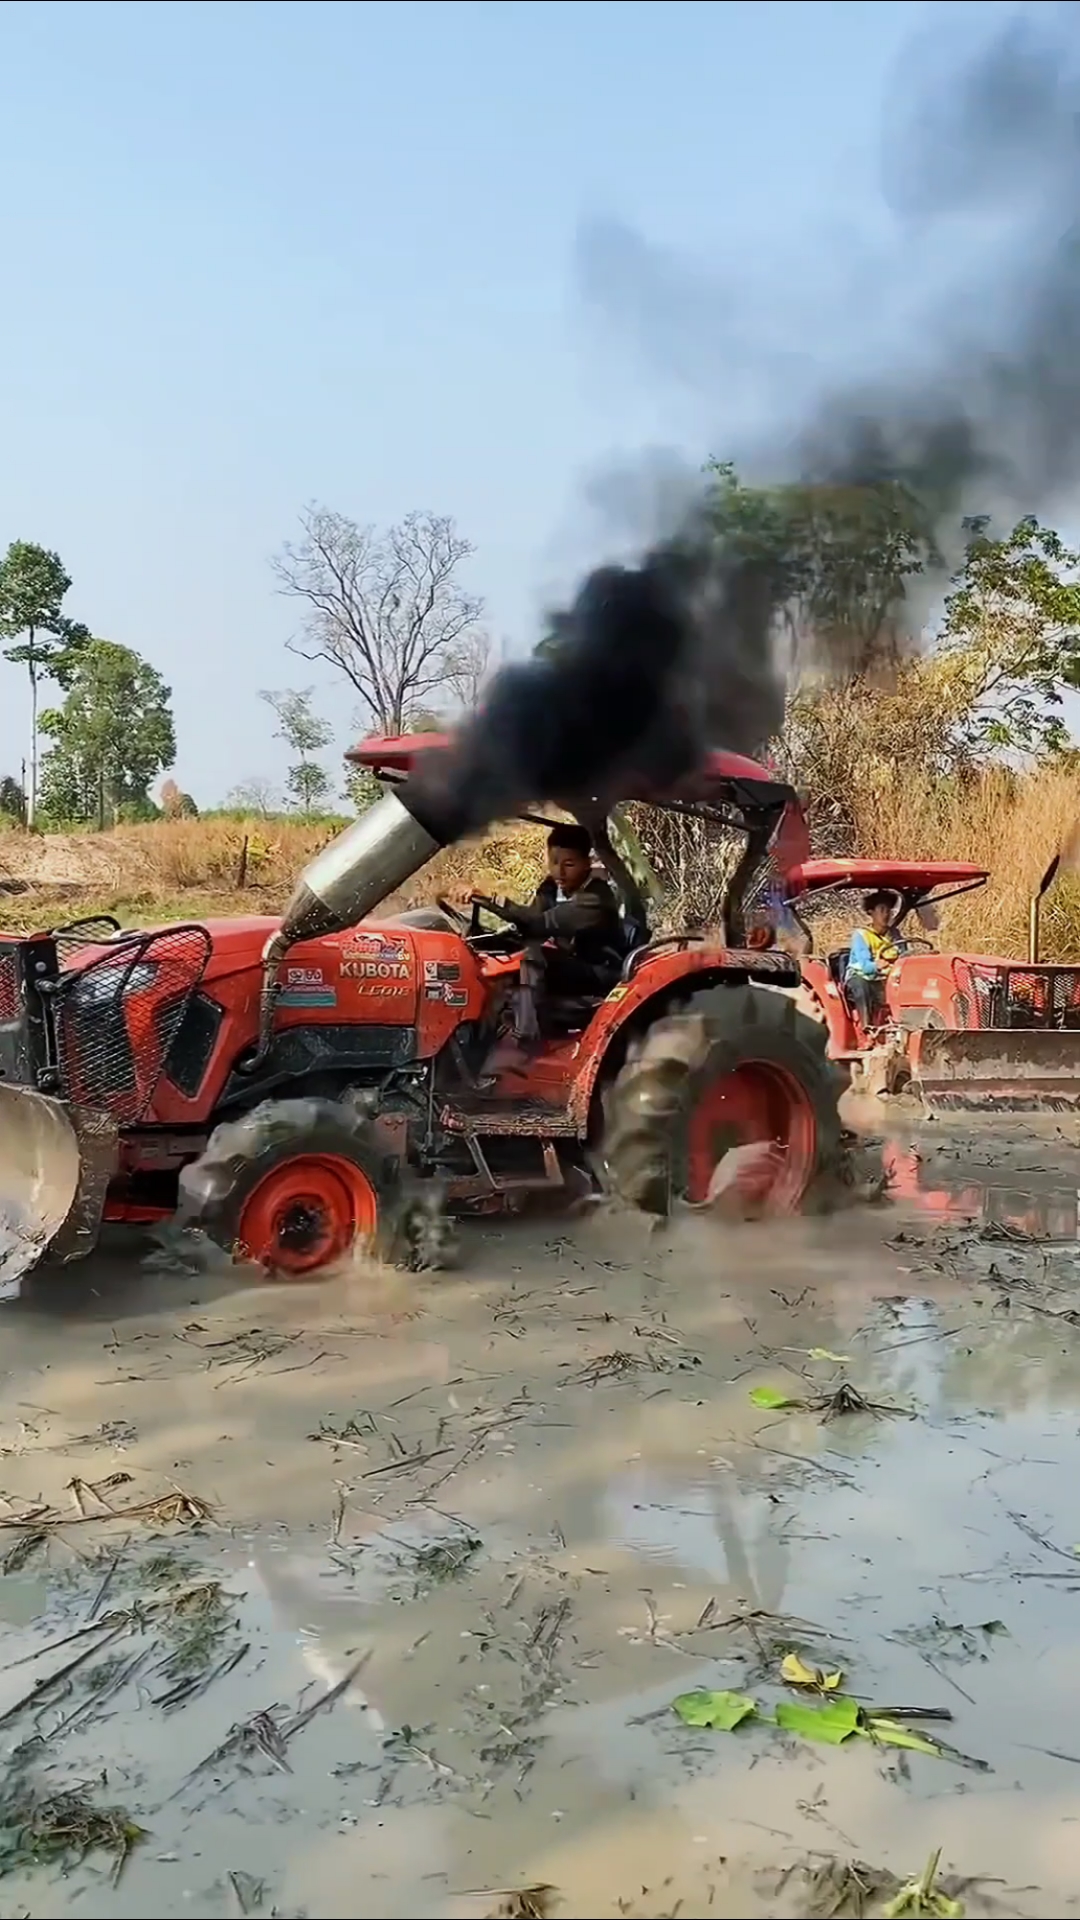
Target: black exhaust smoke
(649, 666)
(653, 663)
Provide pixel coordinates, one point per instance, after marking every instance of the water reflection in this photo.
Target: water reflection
(1053, 1215)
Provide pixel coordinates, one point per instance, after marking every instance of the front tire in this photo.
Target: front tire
(736, 1066)
(296, 1185)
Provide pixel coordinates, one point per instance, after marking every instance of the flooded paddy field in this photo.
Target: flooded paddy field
(376, 1597)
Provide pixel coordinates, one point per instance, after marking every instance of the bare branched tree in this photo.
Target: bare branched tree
(386, 609)
(469, 666)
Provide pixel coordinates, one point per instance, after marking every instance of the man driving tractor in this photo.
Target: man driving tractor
(872, 952)
(575, 908)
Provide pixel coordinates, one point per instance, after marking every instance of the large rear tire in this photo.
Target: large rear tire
(295, 1185)
(737, 1066)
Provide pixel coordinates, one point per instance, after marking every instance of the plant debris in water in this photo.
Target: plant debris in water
(833, 1721)
(835, 1889)
(38, 1830)
(177, 1508)
(521, 1903)
(439, 1560)
(616, 1366)
(831, 1406)
(946, 1641)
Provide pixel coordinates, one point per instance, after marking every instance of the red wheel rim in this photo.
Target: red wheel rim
(756, 1102)
(306, 1213)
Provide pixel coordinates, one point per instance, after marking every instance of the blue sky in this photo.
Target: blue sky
(259, 254)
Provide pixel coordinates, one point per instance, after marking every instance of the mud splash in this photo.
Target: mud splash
(491, 1538)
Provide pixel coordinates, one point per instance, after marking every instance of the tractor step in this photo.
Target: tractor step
(532, 1118)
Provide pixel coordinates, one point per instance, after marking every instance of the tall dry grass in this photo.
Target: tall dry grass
(1011, 823)
(171, 867)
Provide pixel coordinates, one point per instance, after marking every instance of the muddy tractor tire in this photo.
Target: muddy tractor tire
(736, 1067)
(295, 1186)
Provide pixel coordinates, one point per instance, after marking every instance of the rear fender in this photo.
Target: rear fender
(671, 976)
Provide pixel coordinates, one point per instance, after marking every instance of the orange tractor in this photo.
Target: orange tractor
(290, 1087)
(965, 1031)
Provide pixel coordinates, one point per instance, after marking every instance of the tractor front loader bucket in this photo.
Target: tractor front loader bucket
(1002, 1069)
(55, 1165)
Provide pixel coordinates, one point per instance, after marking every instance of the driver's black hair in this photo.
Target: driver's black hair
(883, 898)
(572, 838)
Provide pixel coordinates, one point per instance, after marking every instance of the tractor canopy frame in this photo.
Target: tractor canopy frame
(915, 883)
(727, 790)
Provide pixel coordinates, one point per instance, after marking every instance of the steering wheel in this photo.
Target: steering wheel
(915, 945)
(468, 922)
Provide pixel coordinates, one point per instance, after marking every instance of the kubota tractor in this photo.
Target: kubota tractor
(291, 1086)
(964, 1031)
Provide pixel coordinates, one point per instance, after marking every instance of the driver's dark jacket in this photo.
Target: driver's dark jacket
(587, 925)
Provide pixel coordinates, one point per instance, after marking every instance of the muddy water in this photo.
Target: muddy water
(550, 1507)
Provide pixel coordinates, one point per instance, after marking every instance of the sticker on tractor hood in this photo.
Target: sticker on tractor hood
(307, 997)
(305, 977)
(376, 945)
(384, 969)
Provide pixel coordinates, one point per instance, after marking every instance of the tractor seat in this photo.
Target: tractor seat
(837, 964)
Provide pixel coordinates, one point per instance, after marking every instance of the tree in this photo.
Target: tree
(1011, 637)
(305, 735)
(467, 673)
(175, 804)
(255, 795)
(12, 801)
(387, 610)
(989, 683)
(33, 583)
(113, 737)
(841, 559)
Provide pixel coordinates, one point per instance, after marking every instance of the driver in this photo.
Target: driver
(577, 910)
(871, 954)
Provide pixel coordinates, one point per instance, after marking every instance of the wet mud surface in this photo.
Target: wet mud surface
(373, 1598)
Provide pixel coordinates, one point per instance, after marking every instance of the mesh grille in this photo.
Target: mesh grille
(10, 997)
(91, 932)
(1021, 997)
(118, 1017)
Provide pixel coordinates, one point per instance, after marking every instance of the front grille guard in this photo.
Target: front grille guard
(117, 1018)
(1019, 997)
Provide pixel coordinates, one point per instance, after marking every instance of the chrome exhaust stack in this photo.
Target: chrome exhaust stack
(351, 876)
(343, 884)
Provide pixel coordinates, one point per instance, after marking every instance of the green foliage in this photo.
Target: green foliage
(113, 737)
(305, 734)
(176, 805)
(840, 557)
(33, 584)
(12, 801)
(1012, 628)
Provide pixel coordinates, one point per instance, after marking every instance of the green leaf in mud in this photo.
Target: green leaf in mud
(890, 1733)
(924, 1896)
(723, 1711)
(832, 1723)
(772, 1398)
